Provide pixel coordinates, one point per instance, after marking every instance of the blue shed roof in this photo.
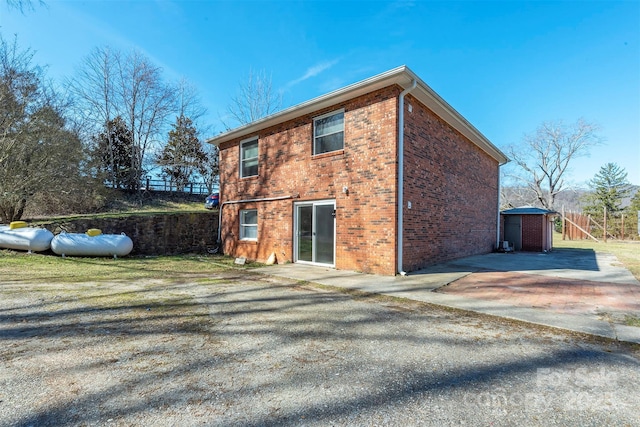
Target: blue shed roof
(528, 210)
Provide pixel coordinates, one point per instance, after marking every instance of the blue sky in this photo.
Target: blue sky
(507, 66)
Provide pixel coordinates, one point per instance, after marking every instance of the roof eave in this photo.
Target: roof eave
(441, 108)
(401, 76)
(529, 211)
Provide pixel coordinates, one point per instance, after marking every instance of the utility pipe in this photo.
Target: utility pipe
(498, 229)
(401, 171)
(235, 202)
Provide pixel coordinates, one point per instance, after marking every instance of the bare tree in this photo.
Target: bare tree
(110, 84)
(210, 169)
(190, 105)
(543, 158)
(255, 99)
(513, 197)
(93, 88)
(147, 103)
(23, 5)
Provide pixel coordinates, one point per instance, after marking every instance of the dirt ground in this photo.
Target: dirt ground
(244, 349)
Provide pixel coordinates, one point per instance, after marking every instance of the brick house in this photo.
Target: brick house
(381, 176)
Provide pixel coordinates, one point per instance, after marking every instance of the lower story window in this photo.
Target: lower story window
(249, 224)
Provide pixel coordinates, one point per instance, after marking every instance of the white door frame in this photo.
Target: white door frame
(313, 204)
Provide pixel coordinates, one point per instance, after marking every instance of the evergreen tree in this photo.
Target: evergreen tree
(609, 187)
(635, 202)
(113, 151)
(633, 209)
(183, 155)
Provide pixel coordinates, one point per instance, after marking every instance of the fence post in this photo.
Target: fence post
(622, 237)
(605, 224)
(563, 222)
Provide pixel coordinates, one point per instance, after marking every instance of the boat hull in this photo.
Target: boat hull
(76, 244)
(25, 238)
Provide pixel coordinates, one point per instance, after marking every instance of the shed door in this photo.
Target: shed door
(513, 230)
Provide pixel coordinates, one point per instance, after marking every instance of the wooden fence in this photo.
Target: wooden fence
(578, 226)
(575, 226)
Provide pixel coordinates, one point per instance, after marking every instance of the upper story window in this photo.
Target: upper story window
(328, 133)
(249, 158)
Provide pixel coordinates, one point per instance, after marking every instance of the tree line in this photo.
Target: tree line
(111, 123)
(539, 170)
(117, 119)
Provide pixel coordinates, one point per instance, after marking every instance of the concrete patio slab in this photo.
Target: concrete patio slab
(580, 291)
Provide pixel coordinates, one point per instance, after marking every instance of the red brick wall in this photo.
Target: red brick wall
(452, 186)
(532, 232)
(365, 217)
(450, 182)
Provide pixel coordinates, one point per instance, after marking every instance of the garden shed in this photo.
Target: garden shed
(528, 228)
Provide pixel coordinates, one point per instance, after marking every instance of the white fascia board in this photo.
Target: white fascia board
(401, 76)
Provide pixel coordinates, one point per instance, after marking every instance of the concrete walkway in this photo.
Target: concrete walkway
(576, 290)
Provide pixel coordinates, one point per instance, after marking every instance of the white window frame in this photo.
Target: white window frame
(243, 159)
(244, 226)
(316, 136)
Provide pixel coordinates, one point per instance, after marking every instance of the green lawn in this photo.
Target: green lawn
(37, 268)
(627, 252)
(150, 208)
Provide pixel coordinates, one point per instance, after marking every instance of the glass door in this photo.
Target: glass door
(315, 225)
(324, 233)
(304, 233)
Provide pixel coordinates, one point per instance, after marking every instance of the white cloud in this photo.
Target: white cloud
(313, 71)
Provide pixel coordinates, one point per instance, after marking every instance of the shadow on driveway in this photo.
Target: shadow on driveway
(580, 264)
(578, 290)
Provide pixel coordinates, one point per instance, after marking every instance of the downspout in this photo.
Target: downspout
(498, 228)
(498, 207)
(235, 202)
(399, 238)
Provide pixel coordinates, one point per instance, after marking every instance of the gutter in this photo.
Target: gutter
(399, 237)
(235, 202)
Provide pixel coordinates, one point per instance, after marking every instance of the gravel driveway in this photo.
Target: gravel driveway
(250, 350)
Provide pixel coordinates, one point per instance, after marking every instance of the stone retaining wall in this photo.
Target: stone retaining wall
(160, 234)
